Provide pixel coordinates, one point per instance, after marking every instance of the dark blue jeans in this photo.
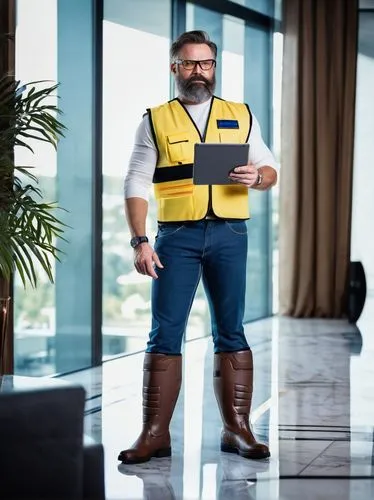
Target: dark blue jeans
(215, 250)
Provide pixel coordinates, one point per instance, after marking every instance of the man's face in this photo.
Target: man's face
(195, 84)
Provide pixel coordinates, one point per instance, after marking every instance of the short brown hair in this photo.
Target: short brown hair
(196, 36)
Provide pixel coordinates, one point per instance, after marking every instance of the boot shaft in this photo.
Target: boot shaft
(162, 377)
(233, 386)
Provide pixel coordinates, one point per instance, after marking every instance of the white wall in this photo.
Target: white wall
(362, 240)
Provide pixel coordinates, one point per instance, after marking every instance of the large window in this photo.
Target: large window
(244, 74)
(53, 327)
(135, 77)
(136, 40)
(58, 327)
(276, 148)
(35, 310)
(262, 6)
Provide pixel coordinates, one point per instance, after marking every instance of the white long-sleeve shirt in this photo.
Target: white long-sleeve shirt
(143, 159)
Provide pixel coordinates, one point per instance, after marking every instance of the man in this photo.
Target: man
(202, 232)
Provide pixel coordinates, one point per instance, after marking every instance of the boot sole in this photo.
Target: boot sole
(164, 452)
(245, 454)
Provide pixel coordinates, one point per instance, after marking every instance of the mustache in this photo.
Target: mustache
(197, 78)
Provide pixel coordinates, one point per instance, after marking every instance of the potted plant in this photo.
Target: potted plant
(28, 226)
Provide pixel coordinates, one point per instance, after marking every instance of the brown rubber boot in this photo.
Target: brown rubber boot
(161, 384)
(233, 384)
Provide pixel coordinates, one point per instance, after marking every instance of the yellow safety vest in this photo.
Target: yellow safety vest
(175, 135)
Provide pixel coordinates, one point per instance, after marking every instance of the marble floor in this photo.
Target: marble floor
(313, 403)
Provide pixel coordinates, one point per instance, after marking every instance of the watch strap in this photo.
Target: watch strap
(137, 240)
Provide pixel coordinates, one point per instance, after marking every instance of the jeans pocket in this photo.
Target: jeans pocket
(168, 229)
(239, 227)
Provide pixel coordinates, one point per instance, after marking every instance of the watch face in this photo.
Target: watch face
(136, 240)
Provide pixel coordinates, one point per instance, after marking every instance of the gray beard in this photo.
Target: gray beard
(195, 93)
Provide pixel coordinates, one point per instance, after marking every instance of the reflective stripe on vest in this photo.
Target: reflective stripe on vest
(175, 135)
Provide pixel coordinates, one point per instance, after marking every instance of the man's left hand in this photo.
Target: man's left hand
(246, 174)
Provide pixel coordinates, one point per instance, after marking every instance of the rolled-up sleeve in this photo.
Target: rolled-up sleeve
(142, 164)
(259, 154)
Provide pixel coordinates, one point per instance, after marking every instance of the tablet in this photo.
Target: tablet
(214, 162)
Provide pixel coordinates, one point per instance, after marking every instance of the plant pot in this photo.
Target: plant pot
(5, 365)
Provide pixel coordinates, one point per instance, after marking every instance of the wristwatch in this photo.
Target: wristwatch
(137, 240)
(259, 179)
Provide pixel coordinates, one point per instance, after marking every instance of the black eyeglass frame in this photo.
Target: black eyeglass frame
(183, 61)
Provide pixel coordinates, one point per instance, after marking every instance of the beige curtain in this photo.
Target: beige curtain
(318, 102)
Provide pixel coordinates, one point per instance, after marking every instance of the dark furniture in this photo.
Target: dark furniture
(42, 455)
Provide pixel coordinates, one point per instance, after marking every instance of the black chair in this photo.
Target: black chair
(42, 455)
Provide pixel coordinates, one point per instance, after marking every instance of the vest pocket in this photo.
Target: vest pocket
(229, 136)
(178, 147)
(174, 189)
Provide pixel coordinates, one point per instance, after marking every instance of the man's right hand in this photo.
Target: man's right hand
(144, 259)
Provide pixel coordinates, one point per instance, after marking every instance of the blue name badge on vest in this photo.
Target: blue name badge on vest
(227, 124)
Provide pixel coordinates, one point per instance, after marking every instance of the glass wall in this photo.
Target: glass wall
(53, 328)
(244, 75)
(35, 310)
(130, 29)
(200, 18)
(276, 148)
(58, 326)
(136, 76)
(262, 6)
(258, 93)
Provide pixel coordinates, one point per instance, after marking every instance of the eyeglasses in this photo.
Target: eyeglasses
(189, 64)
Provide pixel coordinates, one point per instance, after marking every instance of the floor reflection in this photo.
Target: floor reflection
(313, 403)
(155, 478)
(231, 476)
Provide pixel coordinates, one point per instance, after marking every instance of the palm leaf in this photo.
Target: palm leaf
(28, 225)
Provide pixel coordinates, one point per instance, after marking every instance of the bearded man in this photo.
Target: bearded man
(201, 233)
